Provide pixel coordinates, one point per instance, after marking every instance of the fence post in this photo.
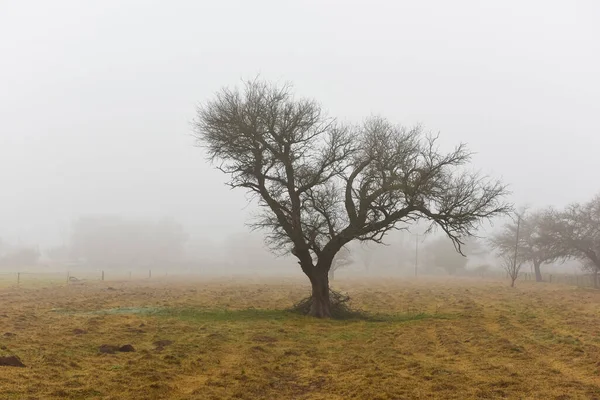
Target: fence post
(102, 275)
(18, 278)
(68, 277)
(550, 278)
(149, 273)
(129, 275)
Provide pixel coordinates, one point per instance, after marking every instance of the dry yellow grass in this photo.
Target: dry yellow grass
(463, 339)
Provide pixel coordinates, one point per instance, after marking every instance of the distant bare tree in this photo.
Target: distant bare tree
(575, 233)
(512, 267)
(342, 259)
(532, 247)
(321, 184)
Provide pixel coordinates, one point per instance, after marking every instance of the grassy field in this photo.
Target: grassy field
(464, 339)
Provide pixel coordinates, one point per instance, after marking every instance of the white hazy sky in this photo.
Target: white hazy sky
(96, 97)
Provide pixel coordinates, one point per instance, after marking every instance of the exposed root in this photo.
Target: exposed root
(339, 306)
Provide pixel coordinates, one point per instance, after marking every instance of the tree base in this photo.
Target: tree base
(338, 304)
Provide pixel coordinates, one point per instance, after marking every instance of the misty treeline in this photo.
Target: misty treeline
(108, 242)
(547, 235)
(411, 254)
(113, 242)
(16, 256)
(124, 244)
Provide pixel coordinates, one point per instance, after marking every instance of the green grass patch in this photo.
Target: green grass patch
(250, 315)
(111, 311)
(201, 315)
(224, 315)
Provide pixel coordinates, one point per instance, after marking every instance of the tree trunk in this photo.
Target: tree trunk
(512, 282)
(320, 307)
(538, 272)
(596, 278)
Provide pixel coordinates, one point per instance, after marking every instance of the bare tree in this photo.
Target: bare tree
(575, 233)
(321, 184)
(512, 266)
(532, 247)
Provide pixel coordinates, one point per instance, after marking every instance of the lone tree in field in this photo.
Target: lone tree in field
(533, 246)
(321, 184)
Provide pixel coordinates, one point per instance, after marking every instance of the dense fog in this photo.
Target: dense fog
(99, 170)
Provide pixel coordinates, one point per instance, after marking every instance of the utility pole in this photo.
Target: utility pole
(517, 241)
(417, 253)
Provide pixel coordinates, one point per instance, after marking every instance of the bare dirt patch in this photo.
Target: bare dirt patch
(11, 361)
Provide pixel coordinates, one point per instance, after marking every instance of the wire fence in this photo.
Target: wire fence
(37, 278)
(33, 278)
(580, 280)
